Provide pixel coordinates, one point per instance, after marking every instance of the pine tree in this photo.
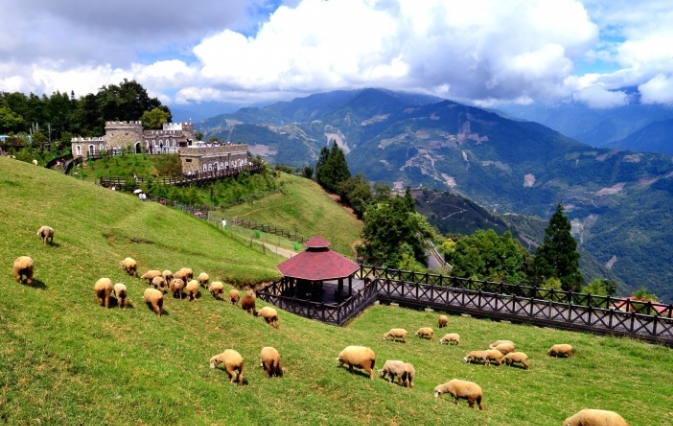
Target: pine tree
(338, 166)
(558, 257)
(321, 171)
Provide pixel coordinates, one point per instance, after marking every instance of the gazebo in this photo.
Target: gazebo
(317, 264)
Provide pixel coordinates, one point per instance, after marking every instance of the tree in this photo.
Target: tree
(307, 172)
(154, 119)
(10, 121)
(213, 139)
(332, 168)
(557, 256)
(198, 136)
(356, 192)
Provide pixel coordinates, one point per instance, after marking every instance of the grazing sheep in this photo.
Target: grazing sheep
(443, 320)
(232, 362)
(120, 294)
(461, 389)
(359, 357)
(396, 333)
(177, 286)
(185, 274)
(103, 288)
(47, 233)
(216, 289)
(24, 265)
(513, 357)
(35, 162)
(270, 315)
(494, 355)
(425, 332)
(149, 275)
(167, 275)
(154, 299)
(234, 296)
(248, 304)
(404, 371)
(562, 349)
(409, 375)
(270, 361)
(129, 265)
(477, 356)
(204, 279)
(159, 284)
(450, 337)
(499, 342)
(590, 417)
(192, 290)
(504, 348)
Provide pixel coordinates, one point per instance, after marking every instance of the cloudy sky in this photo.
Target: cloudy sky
(487, 52)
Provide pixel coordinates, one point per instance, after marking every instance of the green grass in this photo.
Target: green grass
(303, 206)
(65, 360)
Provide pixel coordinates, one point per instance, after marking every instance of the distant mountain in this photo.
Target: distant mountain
(655, 137)
(619, 201)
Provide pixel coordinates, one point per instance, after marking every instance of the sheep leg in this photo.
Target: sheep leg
(470, 401)
(107, 300)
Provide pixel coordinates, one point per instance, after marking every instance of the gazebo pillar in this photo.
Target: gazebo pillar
(350, 285)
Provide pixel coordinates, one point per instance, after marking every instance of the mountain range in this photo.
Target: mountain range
(619, 201)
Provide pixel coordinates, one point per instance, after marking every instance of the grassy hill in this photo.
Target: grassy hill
(65, 360)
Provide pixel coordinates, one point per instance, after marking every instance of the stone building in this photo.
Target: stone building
(197, 159)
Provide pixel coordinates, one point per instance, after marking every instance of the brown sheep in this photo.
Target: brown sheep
(234, 296)
(443, 320)
(47, 234)
(477, 356)
(177, 287)
(120, 294)
(204, 279)
(167, 275)
(270, 361)
(159, 284)
(504, 348)
(425, 332)
(154, 299)
(24, 265)
(248, 304)
(130, 266)
(192, 290)
(149, 275)
(270, 315)
(185, 274)
(359, 357)
(450, 337)
(232, 361)
(216, 289)
(494, 355)
(103, 289)
(513, 357)
(396, 333)
(590, 417)
(499, 342)
(461, 389)
(562, 349)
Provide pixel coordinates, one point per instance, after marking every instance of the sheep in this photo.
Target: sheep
(499, 342)
(513, 357)
(476, 356)
(409, 375)
(185, 274)
(103, 288)
(450, 337)
(120, 294)
(461, 389)
(404, 371)
(177, 286)
(234, 296)
(159, 284)
(269, 360)
(24, 265)
(248, 304)
(494, 355)
(443, 320)
(47, 233)
(359, 357)
(167, 275)
(232, 361)
(216, 289)
(154, 299)
(591, 417)
(192, 290)
(562, 349)
(504, 348)
(270, 315)
(204, 279)
(396, 333)
(425, 332)
(149, 275)
(130, 266)
(35, 162)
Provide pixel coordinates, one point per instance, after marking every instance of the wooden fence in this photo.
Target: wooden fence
(251, 224)
(198, 178)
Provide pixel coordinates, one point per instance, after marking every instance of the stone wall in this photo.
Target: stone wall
(120, 134)
(199, 160)
(83, 147)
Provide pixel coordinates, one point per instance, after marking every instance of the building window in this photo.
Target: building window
(78, 149)
(187, 160)
(205, 168)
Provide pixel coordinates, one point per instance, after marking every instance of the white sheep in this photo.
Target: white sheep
(216, 289)
(24, 265)
(121, 294)
(513, 357)
(130, 266)
(561, 349)
(154, 299)
(396, 333)
(477, 356)
(270, 315)
(204, 279)
(159, 283)
(461, 389)
(591, 417)
(504, 348)
(443, 320)
(192, 290)
(409, 375)
(499, 342)
(177, 287)
(359, 357)
(103, 289)
(232, 361)
(167, 275)
(46, 233)
(185, 274)
(425, 332)
(404, 371)
(450, 337)
(269, 360)
(234, 296)
(149, 275)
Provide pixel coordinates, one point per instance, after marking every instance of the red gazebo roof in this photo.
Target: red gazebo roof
(318, 263)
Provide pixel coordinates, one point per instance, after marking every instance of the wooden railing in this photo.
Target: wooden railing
(251, 224)
(125, 183)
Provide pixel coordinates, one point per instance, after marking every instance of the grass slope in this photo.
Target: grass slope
(65, 360)
(305, 206)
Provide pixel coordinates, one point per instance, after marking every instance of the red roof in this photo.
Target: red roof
(318, 265)
(317, 242)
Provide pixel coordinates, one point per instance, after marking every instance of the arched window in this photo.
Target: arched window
(78, 149)
(210, 167)
(92, 150)
(101, 147)
(205, 168)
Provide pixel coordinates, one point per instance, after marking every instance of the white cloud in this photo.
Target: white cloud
(658, 90)
(598, 97)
